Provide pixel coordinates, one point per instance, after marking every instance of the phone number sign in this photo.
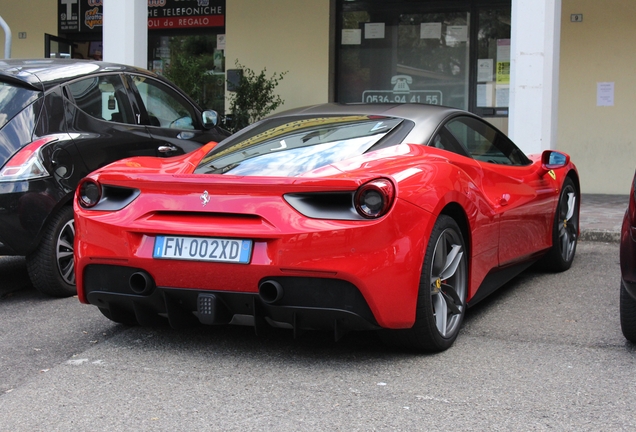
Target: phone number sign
(432, 97)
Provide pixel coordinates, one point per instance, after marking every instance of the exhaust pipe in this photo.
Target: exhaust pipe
(141, 283)
(270, 291)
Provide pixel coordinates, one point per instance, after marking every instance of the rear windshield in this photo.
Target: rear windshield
(14, 99)
(292, 147)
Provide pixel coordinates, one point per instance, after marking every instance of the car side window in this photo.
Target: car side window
(485, 143)
(103, 97)
(165, 107)
(445, 141)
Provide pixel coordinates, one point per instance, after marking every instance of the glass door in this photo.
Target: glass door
(405, 56)
(454, 53)
(433, 58)
(57, 47)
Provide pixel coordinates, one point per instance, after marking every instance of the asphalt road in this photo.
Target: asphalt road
(544, 353)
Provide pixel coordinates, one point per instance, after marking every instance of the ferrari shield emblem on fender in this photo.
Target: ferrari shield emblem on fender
(205, 198)
(552, 174)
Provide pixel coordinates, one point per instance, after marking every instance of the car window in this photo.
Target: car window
(485, 143)
(294, 146)
(103, 97)
(445, 141)
(14, 99)
(165, 107)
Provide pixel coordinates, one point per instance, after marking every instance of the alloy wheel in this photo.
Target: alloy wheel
(568, 223)
(64, 252)
(448, 283)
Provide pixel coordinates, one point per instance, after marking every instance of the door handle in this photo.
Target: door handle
(167, 148)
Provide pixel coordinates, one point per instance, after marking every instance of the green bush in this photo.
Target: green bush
(254, 97)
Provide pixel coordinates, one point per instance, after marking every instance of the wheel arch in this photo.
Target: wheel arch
(573, 175)
(66, 201)
(456, 211)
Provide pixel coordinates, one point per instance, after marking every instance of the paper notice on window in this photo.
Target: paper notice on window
(484, 70)
(503, 72)
(485, 95)
(374, 31)
(351, 37)
(605, 94)
(503, 50)
(456, 34)
(220, 42)
(502, 95)
(431, 30)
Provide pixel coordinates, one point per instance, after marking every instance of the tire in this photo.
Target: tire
(441, 302)
(565, 231)
(628, 315)
(51, 266)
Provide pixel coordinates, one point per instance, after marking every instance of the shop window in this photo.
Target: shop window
(492, 92)
(455, 53)
(193, 62)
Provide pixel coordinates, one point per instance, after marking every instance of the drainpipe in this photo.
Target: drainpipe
(7, 38)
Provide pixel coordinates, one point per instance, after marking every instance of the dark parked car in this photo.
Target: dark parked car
(60, 120)
(628, 268)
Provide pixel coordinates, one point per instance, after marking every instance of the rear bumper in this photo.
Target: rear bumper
(303, 303)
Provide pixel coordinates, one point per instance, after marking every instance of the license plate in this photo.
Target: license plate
(202, 249)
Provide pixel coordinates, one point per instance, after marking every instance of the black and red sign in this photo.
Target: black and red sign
(179, 14)
(88, 15)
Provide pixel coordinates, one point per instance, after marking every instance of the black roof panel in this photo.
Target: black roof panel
(42, 74)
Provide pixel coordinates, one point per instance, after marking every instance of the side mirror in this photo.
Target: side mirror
(210, 119)
(552, 159)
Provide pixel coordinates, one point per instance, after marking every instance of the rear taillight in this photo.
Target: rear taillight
(89, 192)
(26, 164)
(631, 210)
(374, 199)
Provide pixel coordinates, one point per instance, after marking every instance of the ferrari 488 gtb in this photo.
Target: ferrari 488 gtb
(358, 217)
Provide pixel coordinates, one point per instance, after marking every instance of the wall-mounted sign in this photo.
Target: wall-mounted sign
(79, 16)
(68, 16)
(179, 14)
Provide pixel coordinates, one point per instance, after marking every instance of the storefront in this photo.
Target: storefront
(564, 55)
(179, 32)
(454, 53)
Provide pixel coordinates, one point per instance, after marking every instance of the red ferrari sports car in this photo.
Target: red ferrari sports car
(337, 217)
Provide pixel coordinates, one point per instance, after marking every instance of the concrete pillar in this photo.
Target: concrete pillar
(125, 32)
(534, 68)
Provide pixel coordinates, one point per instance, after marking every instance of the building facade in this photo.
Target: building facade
(551, 73)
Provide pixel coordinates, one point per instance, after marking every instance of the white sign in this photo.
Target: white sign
(220, 42)
(374, 31)
(605, 94)
(351, 37)
(484, 70)
(456, 34)
(431, 30)
(503, 50)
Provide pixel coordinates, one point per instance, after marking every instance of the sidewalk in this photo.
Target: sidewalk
(602, 217)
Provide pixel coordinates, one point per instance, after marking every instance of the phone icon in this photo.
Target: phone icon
(401, 83)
